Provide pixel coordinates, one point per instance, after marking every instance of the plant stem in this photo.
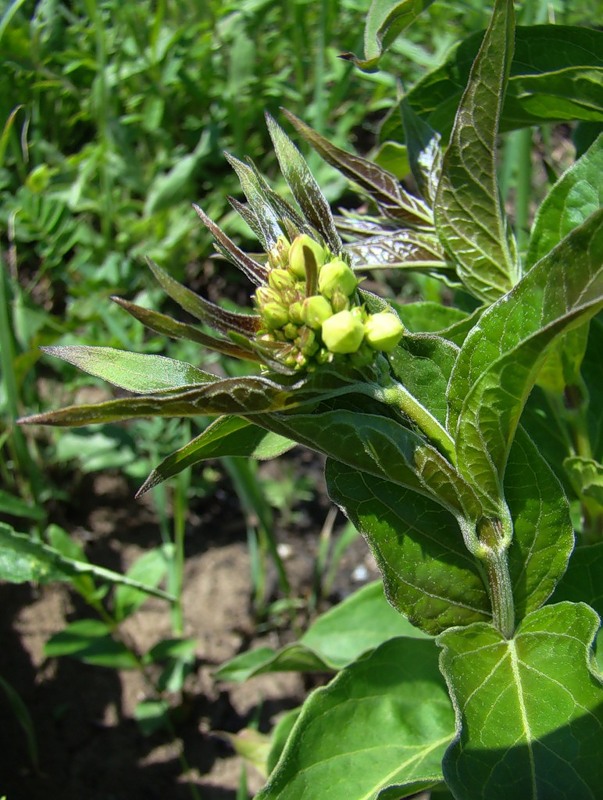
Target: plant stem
(396, 395)
(495, 536)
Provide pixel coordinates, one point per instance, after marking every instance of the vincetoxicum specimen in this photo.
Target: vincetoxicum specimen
(466, 510)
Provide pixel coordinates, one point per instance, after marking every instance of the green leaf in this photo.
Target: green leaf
(358, 624)
(385, 189)
(23, 559)
(377, 731)
(16, 507)
(90, 641)
(543, 536)
(428, 317)
(148, 570)
(468, 212)
(591, 374)
(424, 151)
(152, 716)
(226, 436)
(555, 75)
(429, 575)
(303, 186)
(385, 20)
(413, 250)
(166, 326)
(587, 475)
(135, 372)
(575, 196)
(529, 709)
(583, 581)
(500, 358)
(393, 157)
(21, 712)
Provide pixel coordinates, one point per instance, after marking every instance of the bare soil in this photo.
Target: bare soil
(90, 746)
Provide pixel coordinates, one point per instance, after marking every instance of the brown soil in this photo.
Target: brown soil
(90, 746)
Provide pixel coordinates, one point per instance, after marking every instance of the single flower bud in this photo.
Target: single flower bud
(274, 315)
(297, 257)
(296, 312)
(281, 280)
(383, 331)
(291, 331)
(316, 310)
(306, 341)
(279, 254)
(336, 276)
(343, 332)
(265, 295)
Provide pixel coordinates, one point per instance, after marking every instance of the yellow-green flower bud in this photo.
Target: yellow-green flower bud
(291, 331)
(296, 312)
(306, 341)
(297, 257)
(336, 276)
(281, 280)
(383, 331)
(316, 310)
(265, 295)
(279, 254)
(343, 332)
(274, 315)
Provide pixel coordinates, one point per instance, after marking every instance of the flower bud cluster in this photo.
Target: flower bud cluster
(310, 312)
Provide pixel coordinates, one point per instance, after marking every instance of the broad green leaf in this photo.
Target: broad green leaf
(469, 216)
(575, 196)
(423, 364)
(90, 641)
(23, 559)
(499, 360)
(358, 624)
(583, 581)
(303, 186)
(561, 367)
(529, 709)
(135, 372)
(382, 447)
(543, 537)
(393, 157)
(279, 737)
(424, 151)
(148, 570)
(385, 20)
(428, 573)
(377, 732)
(555, 75)
(385, 189)
(592, 374)
(226, 436)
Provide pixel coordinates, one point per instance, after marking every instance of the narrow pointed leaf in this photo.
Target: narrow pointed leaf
(336, 639)
(209, 313)
(529, 709)
(429, 575)
(404, 249)
(424, 151)
(499, 361)
(227, 436)
(161, 323)
(575, 196)
(385, 189)
(303, 186)
(23, 559)
(256, 272)
(468, 212)
(136, 372)
(267, 220)
(367, 737)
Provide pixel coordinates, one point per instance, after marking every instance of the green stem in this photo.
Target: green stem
(396, 395)
(495, 536)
